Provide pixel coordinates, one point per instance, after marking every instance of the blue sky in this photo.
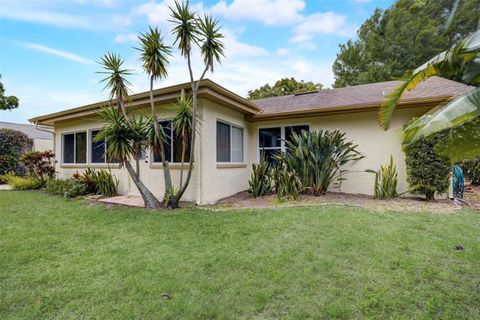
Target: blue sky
(48, 49)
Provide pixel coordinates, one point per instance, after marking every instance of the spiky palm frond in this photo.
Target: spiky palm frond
(153, 139)
(116, 82)
(211, 46)
(450, 62)
(185, 28)
(154, 53)
(182, 122)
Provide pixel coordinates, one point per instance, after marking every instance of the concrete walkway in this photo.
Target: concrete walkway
(129, 201)
(5, 187)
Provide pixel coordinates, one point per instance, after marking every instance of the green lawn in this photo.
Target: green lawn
(67, 259)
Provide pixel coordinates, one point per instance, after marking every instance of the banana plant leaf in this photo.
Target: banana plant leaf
(462, 116)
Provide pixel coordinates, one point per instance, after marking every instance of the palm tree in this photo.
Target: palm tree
(124, 140)
(182, 126)
(154, 56)
(205, 33)
(461, 59)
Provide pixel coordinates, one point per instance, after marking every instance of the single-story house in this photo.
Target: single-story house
(234, 132)
(40, 139)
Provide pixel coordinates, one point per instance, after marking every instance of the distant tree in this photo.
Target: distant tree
(7, 103)
(403, 37)
(283, 87)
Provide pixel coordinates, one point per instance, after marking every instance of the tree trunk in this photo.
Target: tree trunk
(148, 198)
(166, 169)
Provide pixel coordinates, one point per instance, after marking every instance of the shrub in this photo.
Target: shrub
(98, 181)
(69, 188)
(39, 164)
(386, 181)
(427, 173)
(471, 169)
(12, 145)
(261, 179)
(317, 157)
(287, 183)
(24, 183)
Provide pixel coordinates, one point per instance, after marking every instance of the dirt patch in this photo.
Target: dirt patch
(243, 200)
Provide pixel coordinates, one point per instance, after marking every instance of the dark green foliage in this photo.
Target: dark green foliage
(427, 173)
(69, 188)
(386, 179)
(471, 169)
(318, 158)
(401, 38)
(98, 181)
(7, 102)
(287, 183)
(283, 87)
(12, 145)
(261, 179)
(39, 164)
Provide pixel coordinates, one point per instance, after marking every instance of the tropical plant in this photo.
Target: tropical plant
(154, 57)
(39, 164)
(122, 138)
(12, 144)
(461, 59)
(471, 168)
(427, 173)
(283, 87)
(318, 158)
(386, 179)
(68, 188)
(189, 30)
(7, 102)
(182, 126)
(286, 182)
(24, 183)
(98, 181)
(260, 182)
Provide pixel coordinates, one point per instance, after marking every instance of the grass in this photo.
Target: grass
(67, 259)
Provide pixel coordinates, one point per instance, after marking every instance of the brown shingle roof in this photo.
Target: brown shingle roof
(361, 95)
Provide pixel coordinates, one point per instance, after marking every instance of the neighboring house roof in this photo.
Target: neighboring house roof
(361, 97)
(28, 129)
(431, 92)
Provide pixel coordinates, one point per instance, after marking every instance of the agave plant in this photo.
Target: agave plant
(386, 180)
(319, 158)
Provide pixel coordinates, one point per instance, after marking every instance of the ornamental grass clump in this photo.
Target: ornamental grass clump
(386, 180)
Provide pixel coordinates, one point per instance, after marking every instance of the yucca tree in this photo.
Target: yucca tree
(205, 33)
(182, 126)
(462, 59)
(116, 82)
(124, 139)
(154, 56)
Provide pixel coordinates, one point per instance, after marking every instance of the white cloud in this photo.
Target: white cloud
(157, 13)
(235, 48)
(126, 38)
(59, 53)
(268, 12)
(282, 52)
(321, 23)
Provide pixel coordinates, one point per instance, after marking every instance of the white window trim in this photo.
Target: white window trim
(74, 163)
(282, 137)
(231, 137)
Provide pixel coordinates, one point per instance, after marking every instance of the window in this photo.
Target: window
(98, 149)
(272, 140)
(172, 146)
(229, 143)
(75, 147)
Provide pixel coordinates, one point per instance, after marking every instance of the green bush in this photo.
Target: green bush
(317, 158)
(69, 188)
(261, 179)
(23, 183)
(386, 179)
(427, 173)
(12, 145)
(287, 183)
(471, 169)
(98, 181)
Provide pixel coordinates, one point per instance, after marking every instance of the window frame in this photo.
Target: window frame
(90, 149)
(87, 153)
(282, 137)
(231, 139)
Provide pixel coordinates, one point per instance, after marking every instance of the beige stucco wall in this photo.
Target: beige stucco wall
(377, 145)
(212, 181)
(42, 144)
